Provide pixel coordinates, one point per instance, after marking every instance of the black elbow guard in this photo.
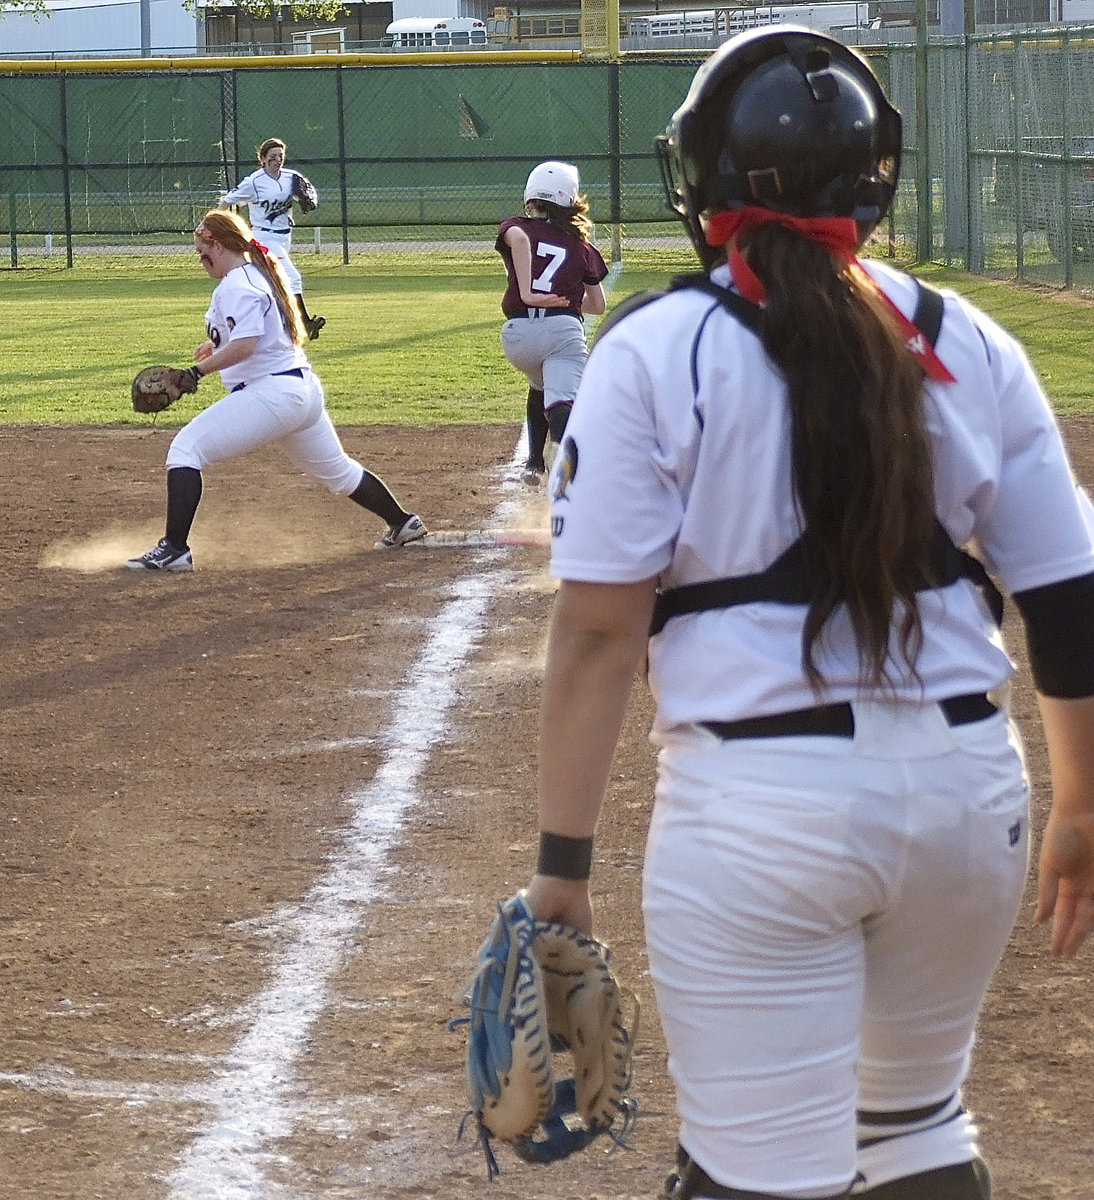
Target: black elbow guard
(1059, 620)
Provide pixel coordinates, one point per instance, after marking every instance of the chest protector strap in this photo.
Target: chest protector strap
(784, 581)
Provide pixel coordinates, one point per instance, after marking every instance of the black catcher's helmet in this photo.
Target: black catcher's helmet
(783, 118)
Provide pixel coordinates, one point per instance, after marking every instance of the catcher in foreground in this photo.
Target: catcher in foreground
(542, 988)
(840, 831)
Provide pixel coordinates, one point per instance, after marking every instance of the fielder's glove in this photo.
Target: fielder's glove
(304, 192)
(543, 988)
(157, 388)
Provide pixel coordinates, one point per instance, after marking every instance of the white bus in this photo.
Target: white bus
(722, 22)
(435, 33)
(700, 23)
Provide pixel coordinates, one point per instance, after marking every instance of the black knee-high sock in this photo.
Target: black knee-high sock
(537, 427)
(183, 496)
(372, 493)
(557, 417)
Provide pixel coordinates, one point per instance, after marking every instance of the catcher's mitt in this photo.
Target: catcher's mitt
(157, 388)
(543, 988)
(304, 192)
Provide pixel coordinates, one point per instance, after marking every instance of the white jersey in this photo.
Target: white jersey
(696, 485)
(244, 306)
(268, 200)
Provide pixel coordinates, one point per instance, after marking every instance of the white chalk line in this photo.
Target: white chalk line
(479, 538)
(253, 1104)
(252, 1098)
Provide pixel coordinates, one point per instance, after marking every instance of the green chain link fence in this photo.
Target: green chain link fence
(113, 164)
(100, 166)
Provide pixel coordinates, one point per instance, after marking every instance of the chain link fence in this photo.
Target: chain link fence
(99, 167)
(998, 173)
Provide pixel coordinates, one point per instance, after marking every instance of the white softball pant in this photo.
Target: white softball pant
(551, 351)
(278, 409)
(280, 246)
(823, 918)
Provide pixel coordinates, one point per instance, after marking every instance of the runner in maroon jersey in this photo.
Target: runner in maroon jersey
(553, 270)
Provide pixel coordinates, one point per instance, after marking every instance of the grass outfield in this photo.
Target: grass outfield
(410, 340)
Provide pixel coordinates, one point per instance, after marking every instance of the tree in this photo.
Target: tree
(302, 10)
(314, 10)
(27, 8)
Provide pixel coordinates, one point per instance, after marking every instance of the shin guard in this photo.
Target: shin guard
(965, 1181)
(690, 1182)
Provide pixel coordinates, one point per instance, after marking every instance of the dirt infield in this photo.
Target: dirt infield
(255, 821)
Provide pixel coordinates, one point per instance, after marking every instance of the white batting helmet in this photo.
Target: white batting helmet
(556, 182)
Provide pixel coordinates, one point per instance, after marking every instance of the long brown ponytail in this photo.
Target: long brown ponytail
(234, 234)
(861, 455)
(575, 219)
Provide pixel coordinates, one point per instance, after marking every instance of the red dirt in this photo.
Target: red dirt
(183, 760)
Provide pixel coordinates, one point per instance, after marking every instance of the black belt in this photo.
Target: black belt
(838, 720)
(270, 229)
(291, 371)
(539, 313)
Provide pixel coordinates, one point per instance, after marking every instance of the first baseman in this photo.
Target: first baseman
(272, 396)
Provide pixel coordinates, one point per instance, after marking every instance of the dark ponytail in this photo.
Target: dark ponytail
(861, 455)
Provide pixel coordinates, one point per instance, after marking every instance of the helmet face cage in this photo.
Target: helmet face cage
(680, 194)
(784, 118)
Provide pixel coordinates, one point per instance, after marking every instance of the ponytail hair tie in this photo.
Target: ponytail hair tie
(257, 245)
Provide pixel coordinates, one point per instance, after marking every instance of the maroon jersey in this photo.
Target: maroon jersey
(561, 263)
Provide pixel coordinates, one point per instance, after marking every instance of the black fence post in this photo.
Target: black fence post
(924, 235)
(229, 130)
(66, 174)
(342, 164)
(1018, 166)
(1066, 169)
(615, 173)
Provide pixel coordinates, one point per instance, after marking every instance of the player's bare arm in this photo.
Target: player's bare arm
(597, 642)
(236, 351)
(1066, 873)
(594, 302)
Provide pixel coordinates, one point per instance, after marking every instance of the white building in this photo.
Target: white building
(437, 8)
(163, 28)
(93, 27)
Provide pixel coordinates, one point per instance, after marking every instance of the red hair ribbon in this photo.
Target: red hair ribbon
(259, 246)
(838, 234)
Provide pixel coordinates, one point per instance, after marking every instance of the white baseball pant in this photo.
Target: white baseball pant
(823, 917)
(280, 246)
(276, 409)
